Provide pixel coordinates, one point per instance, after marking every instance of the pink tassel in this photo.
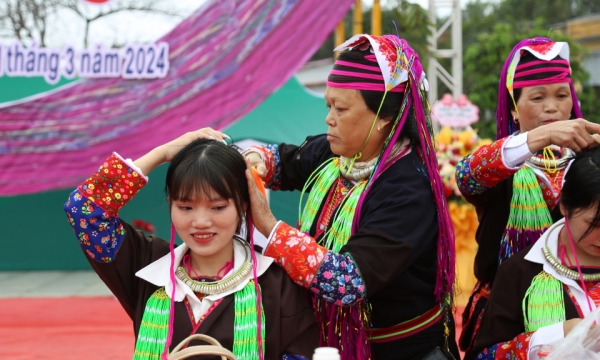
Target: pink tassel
(257, 287)
(172, 308)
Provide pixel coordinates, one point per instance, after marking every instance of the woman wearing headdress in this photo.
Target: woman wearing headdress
(515, 182)
(214, 283)
(542, 292)
(374, 243)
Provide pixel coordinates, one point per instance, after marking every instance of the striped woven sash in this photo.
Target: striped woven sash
(407, 328)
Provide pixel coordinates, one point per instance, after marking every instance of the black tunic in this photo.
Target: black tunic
(493, 209)
(290, 323)
(503, 317)
(395, 247)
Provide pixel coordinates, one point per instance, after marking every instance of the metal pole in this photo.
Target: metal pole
(376, 18)
(358, 18)
(339, 37)
(432, 72)
(457, 72)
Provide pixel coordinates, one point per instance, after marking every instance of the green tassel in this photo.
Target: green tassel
(321, 182)
(245, 326)
(543, 303)
(154, 328)
(528, 212)
(155, 323)
(341, 227)
(529, 216)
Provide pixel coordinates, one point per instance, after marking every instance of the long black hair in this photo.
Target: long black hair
(581, 189)
(206, 165)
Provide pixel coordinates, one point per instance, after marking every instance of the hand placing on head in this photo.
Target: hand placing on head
(262, 217)
(256, 162)
(173, 147)
(573, 134)
(166, 152)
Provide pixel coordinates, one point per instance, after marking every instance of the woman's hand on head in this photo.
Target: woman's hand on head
(573, 134)
(256, 161)
(173, 147)
(262, 217)
(166, 152)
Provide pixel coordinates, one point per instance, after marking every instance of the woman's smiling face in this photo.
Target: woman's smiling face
(207, 224)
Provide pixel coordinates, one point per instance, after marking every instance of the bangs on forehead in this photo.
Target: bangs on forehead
(193, 181)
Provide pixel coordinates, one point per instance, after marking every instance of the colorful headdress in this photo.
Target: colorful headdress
(390, 66)
(537, 61)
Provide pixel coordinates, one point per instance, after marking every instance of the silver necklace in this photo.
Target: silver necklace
(362, 170)
(563, 270)
(219, 286)
(557, 164)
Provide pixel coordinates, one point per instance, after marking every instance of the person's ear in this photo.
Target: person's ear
(563, 210)
(382, 123)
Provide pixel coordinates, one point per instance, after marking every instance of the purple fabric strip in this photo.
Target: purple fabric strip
(214, 80)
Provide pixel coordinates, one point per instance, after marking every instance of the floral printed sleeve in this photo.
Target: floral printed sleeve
(331, 276)
(92, 209)
(483, 169)
(516, 349)
(270, 154)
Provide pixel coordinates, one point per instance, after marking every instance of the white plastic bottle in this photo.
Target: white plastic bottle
(326, 353)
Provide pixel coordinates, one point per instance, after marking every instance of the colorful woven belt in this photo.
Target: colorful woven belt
(407, 328)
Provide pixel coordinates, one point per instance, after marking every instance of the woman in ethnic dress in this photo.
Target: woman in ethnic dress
(542, 292)
(374, 244)
(214, 283)
(515, 182)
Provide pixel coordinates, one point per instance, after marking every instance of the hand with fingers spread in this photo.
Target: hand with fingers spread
(263, 218)
(256, 162)
(572, 134)
(166, 152)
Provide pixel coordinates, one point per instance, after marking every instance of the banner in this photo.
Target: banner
(149, 61)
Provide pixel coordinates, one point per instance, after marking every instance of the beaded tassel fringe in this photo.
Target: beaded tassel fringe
(529, 215)
(155, 325)
(154, 329)
(543, 303)
(245, 326)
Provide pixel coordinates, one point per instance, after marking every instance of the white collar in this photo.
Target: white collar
(535, 255)
(157, 273)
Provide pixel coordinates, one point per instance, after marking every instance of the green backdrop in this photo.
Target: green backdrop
(35, 234)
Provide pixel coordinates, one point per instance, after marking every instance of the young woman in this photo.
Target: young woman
(207, 285)
(541, 293)
(538, 126)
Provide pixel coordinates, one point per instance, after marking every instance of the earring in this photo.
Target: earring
(517, 120)
(378, 127)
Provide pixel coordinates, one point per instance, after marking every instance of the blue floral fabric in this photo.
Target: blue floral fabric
(339, 281)
(99, 233)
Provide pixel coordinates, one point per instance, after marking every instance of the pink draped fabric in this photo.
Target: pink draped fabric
(226, 58)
